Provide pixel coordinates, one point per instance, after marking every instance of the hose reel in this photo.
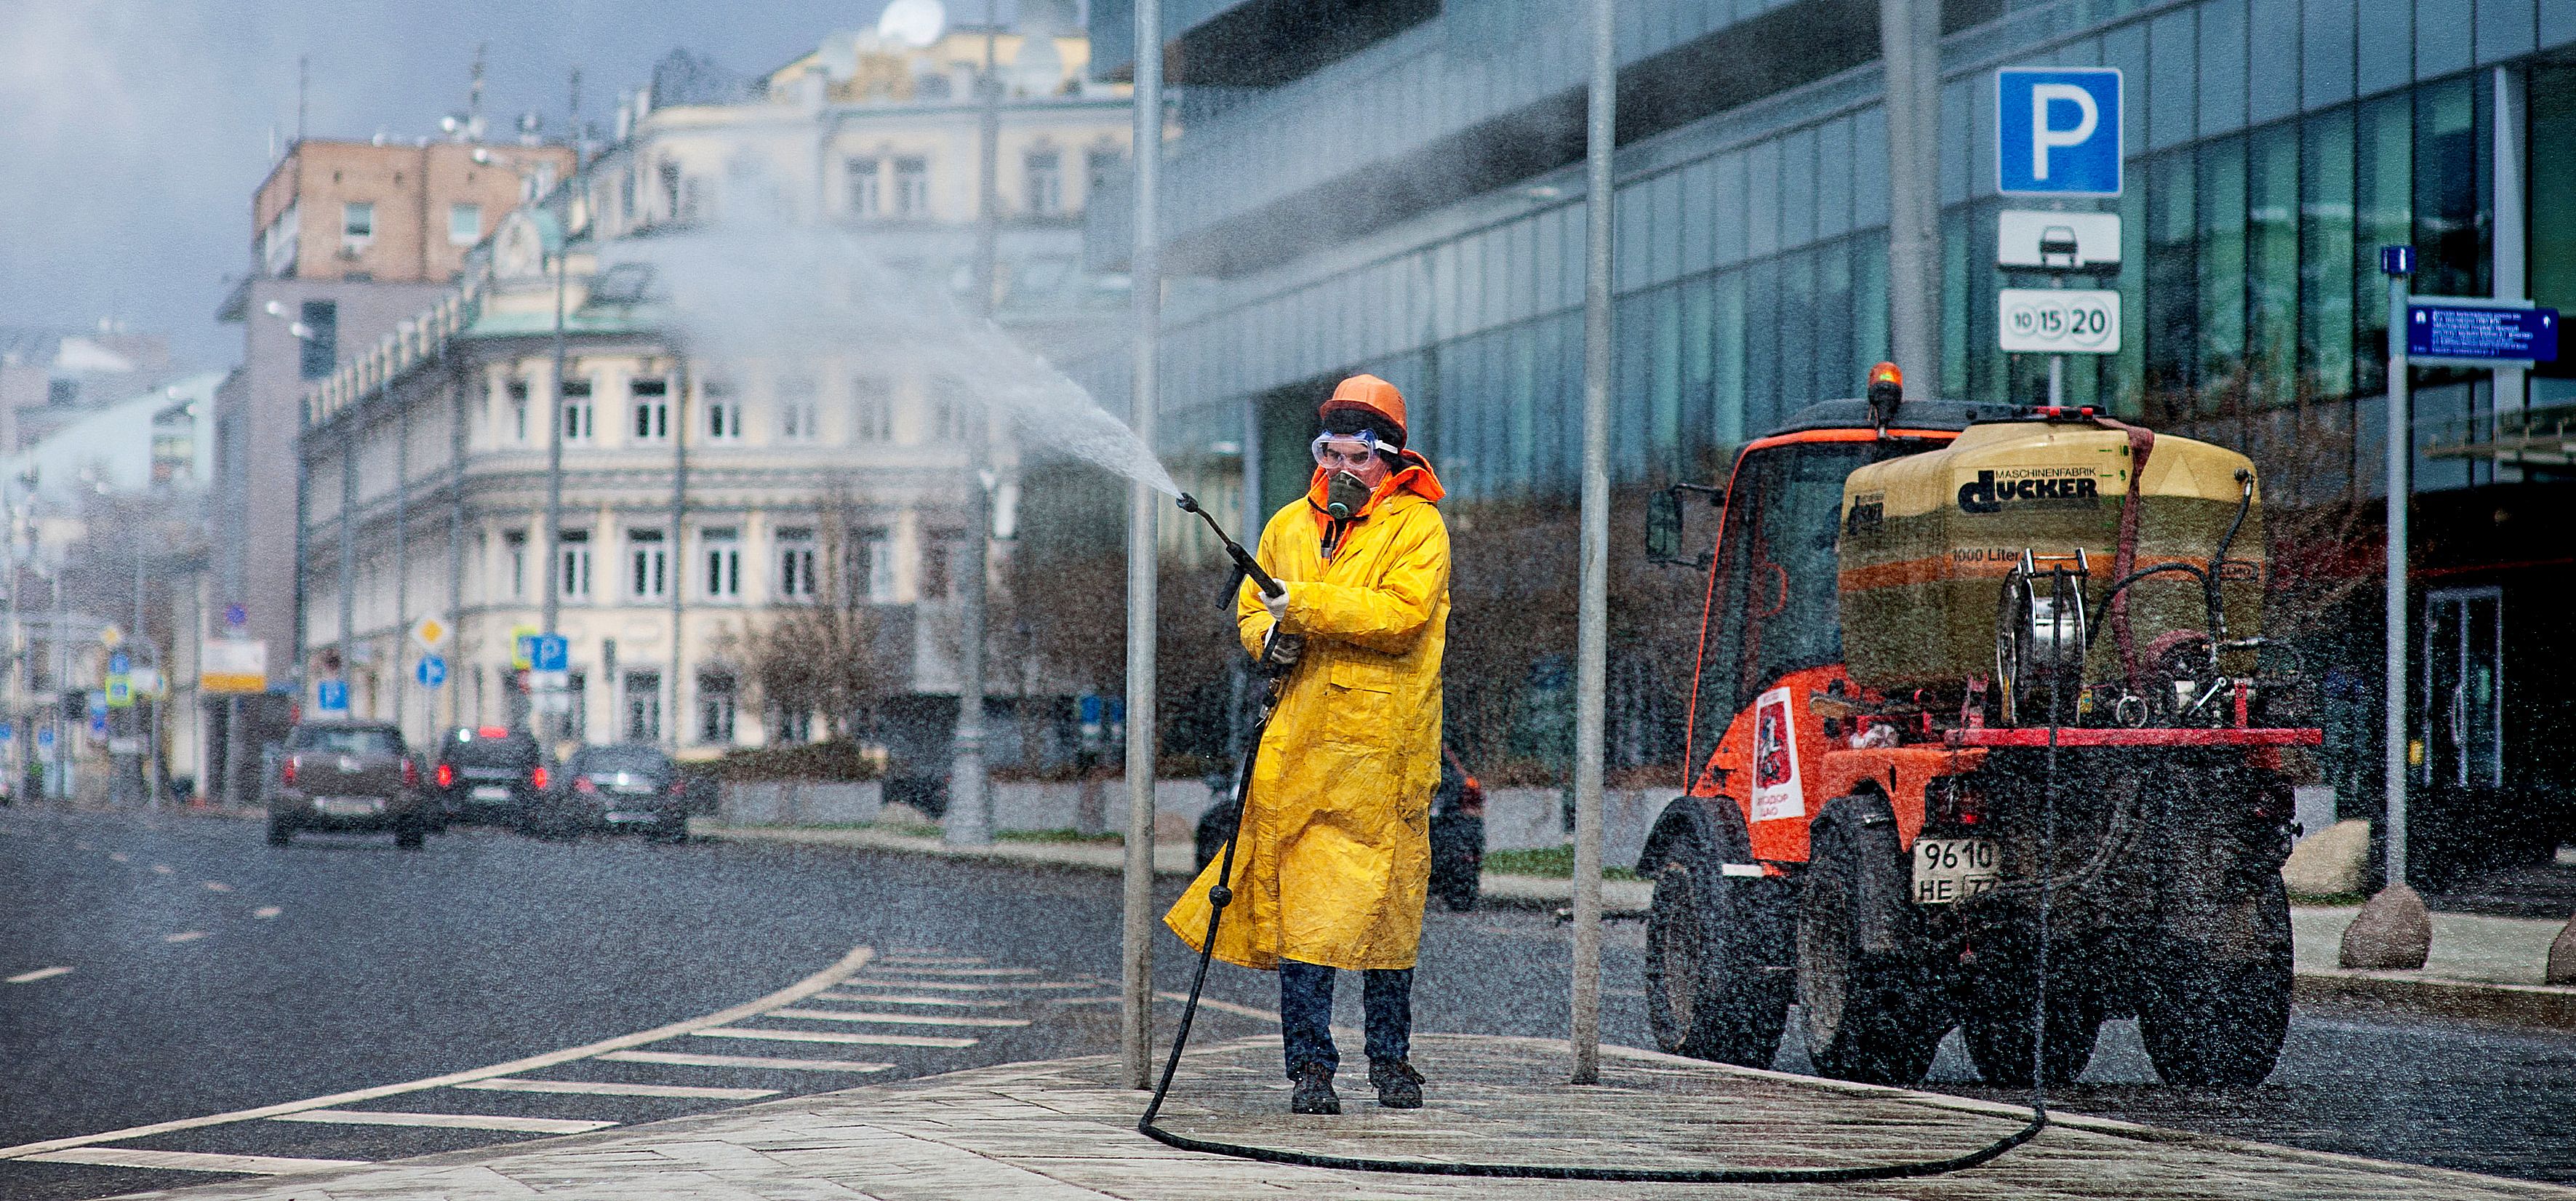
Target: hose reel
(2042, 632)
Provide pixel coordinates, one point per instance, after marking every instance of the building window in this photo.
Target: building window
(724, 563)
(514, 547)
(797, 412)
(794, 726)
(1043, 171)
(950, 411)
(872, 416)
(573, 560)
(319, 351)
(912, 188)
(866, 197)
(644, 706)
(652, 398)
(1098, 165)
(668, 175)
(943, 555)
(357, 223)
(724, 412)
(872, 565)
(648, 564)
(516, 391)
(576, 409)
(715, 707)
(796, 564)
(464, 224)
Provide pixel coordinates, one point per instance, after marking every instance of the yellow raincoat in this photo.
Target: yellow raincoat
(1335, 854)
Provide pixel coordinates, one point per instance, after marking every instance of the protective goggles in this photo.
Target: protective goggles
(1347, 447)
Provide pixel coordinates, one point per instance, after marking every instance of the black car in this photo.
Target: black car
(628, 786)
(487, 774)
(1457, 830)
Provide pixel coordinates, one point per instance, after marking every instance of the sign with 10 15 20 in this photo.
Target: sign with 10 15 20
(2059, 320)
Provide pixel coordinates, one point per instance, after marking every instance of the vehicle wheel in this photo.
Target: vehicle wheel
(2215, 1022)
(1712, 988)
(1872, 1007)
(280, 832)
(673, 828)
(410, 835)
(1998, 1030)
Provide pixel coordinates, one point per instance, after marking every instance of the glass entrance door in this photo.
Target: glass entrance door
(2461, 728)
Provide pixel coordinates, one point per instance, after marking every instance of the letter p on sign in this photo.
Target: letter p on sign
(2057, 131)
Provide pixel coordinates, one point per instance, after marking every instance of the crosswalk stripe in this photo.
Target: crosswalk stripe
(42, 973)
(932, 960)
(897, 1019)
(611, 1088)
(894, 969)
(889, 999)
(453, 1121)
(964, 986)
(836, 1036)
(763, 1062)
(191, 1161)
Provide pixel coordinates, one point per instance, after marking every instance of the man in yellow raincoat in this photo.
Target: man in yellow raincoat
(1334, 856)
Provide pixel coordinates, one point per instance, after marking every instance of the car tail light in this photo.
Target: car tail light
(584, 784)
(491, 732)
(537, 778)
(679, 787)
(286, 771)
(411, 773)
(447, 775)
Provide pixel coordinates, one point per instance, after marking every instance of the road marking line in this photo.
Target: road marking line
(120, 857)
(872, 999)
(449, 1121)
(849, 965)
(266, 912)
(893, 970)
(42, 973)
(1208, 1002)
(184, 936)
(611, 1088)
(218, 886)
(835, 1036)
(161, 869)
(762, 1062)
(942, 984)
(898, 1019)
(931, 960)
(192, 1161)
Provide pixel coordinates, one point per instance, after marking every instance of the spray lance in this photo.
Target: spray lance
(1343, 500)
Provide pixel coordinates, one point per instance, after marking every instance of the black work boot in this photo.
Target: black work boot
(1314, 1091)
(1398, 1085)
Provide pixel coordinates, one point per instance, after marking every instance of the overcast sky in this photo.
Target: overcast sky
(133, 131)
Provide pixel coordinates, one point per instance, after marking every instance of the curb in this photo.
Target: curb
(2532, 1006)
(1618, 897)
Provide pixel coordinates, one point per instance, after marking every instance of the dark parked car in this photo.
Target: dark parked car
(629, 786)
(349, 776)
(487, 774)
(1457, 830)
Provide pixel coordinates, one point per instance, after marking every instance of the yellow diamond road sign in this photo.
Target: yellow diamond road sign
(109, 635)
(430, 632)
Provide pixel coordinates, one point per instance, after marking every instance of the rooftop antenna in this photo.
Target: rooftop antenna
(474, 97)
(303, 89)
(574, 121)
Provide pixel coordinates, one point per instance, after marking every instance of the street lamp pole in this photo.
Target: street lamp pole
(969, 820)
(1592, 637)
(550, 564)
(1136, 951)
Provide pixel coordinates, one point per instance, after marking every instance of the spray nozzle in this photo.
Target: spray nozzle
(1270, 585)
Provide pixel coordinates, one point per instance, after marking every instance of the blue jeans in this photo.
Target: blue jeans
(1306, 1013)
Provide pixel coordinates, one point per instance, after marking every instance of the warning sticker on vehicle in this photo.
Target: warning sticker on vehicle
(1776, 791)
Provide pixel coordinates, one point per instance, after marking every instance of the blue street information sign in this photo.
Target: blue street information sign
(45, 739)
(331, 696)
(118, 664)
(433, 671)
(551, 652)
(2057, 131)
(8, 732)
(2445, 329)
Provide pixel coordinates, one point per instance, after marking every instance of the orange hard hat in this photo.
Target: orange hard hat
(1369, 393)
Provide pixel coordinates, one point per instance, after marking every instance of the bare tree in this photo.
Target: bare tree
(829, 652)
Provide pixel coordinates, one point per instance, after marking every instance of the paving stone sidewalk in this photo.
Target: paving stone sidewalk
(1063, 1131)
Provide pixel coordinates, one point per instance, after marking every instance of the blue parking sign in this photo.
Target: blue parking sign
(550, 652)
(2057, 131)
(331, 696)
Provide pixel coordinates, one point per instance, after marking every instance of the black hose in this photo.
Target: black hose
(2218, 562)
(1220, 895)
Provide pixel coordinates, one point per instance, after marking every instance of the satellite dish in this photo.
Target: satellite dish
(916, 23)
(1037, 69)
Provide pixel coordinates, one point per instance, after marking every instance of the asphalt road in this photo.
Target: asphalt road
(210, 974)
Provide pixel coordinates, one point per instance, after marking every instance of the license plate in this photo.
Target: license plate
(1949, 870)
(491, 792)
(633, 790)
(349, 806)
(623, 816)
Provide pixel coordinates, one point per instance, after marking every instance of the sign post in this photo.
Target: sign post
(2058, 134)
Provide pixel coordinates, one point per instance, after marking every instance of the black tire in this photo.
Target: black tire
(1997, 1027)
(2214, 1022)
(672, 830)
(1872, 1008)
(280, 832)
(1712, 988)
(410, 835)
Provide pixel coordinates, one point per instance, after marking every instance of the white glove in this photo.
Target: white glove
(1277, 603)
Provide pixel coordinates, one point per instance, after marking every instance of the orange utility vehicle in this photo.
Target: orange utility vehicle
(1940, 641)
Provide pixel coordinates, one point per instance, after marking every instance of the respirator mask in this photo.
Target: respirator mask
(1345, 494)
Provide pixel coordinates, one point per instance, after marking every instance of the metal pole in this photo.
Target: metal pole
(456, 450)
(676, 576)
(970, 796)
(402, 551)
(1136, 951)
(2056, 381)
(1592, 618)
(2401, 454)
(553, 604)
(1909, 49)
(348, 419)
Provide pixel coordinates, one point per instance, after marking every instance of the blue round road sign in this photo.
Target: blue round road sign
(432, 671)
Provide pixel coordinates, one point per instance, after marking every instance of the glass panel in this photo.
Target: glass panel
(2173, 277)
(1762, 200)
(2386, 58)
(1698, 318)
(2222, 274)
(1798, 188)
(2326, 255)
(1955, 351)
(2128, 370)
(2170, 59)
(1727, 366)
(2222, 66)
(2273, 92)
(1796, 319)
(2326, 49)
(1868, 304)
(1664, 309)
(2450, 213)
(2442, 30)
(1833, 343)
(2272, 266)
(1762, 349)
(2483, 689)
(2553, 193)
(2383, 215)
